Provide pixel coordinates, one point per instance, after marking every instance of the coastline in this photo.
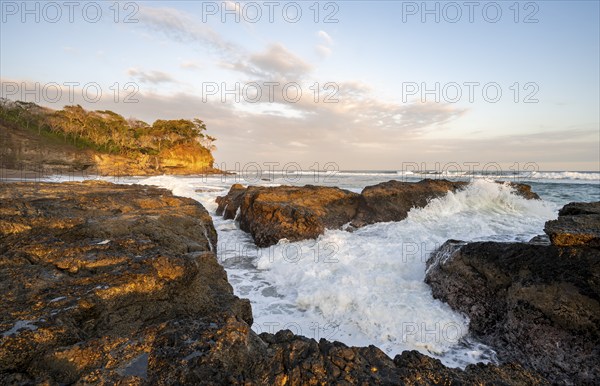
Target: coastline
(246, 356)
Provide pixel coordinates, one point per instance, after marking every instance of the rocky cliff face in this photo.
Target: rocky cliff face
(298, 213)
(23, 149)
(112, 284)
(28, 150)
(535, 303)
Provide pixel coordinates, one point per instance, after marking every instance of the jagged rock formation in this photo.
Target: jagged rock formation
(297, 213)
(294, 213)
(535, 303)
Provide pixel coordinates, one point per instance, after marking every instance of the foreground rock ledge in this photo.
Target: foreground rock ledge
(535, 303)
(111, 284)
(296, 213)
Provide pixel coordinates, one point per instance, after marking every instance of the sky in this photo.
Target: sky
(362, 85)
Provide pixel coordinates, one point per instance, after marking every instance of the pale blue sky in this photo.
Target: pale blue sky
(370, 53)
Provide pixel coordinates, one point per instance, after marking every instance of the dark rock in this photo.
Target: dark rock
(523, 190)
(270, 214)
(298, 213)
(226, 351)
(85, 267)
(577, 224)
(392, 200)
(540, 239)
(577, 208)
(537, 305)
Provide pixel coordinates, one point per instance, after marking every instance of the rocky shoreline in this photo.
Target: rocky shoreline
(117, 284)
(295, 213)
(535, 303)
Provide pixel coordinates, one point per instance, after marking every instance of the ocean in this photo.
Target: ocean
(366, 287)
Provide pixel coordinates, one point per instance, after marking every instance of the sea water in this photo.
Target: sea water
(366, 287)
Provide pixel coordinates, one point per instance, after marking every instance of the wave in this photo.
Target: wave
(589, 176)
(563, 175)
(369, 283)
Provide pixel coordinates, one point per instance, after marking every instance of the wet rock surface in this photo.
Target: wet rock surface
(294, 213)
(110, 284)
(537, 304)
(229, 204)
(298, 213)
(392, 200)
(578, 224)
(84, 267)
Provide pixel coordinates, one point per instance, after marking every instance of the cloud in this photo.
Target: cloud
(297, 144)
(154, 77)
(325, 37)
(324, 48)
(189, 65)
(70, 50)
(277, 59)
(182, 27)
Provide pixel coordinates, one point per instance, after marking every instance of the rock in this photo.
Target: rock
(577, 224)
(297, 213)
(540, 239)
(523, 190)
(229, 204)
(226, 351)
(116, 284)
(88, 269)
(392, 200)
(579, 208)
(27, 152)
(270, 214)
(535, 304)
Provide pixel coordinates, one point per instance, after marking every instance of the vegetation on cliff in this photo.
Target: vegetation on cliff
(114, 140)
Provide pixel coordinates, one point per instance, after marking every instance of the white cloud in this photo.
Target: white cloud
(189, 65)
(346, 133)
(325, 37)
(153, 77)
(322, 50)
(181, 27)
(277, 59)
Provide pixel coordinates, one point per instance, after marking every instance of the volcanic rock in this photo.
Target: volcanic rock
(578, 223)
(270, 214)
(534, 303)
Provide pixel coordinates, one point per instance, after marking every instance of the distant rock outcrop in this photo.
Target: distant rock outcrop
(42, 142)
(535, 303)
(297, 213)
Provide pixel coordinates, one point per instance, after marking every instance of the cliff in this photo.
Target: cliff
(75, 141)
